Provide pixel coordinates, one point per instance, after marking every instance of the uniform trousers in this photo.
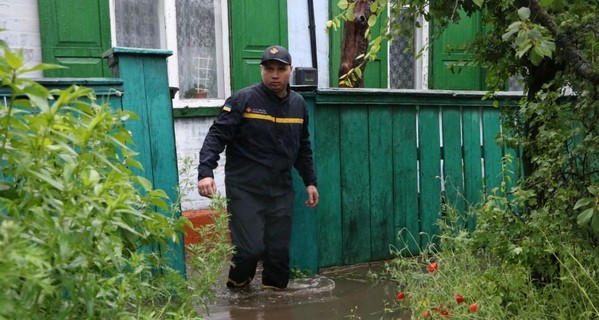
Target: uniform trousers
(260, 227)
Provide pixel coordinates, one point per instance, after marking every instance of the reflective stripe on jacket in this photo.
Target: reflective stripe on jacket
(265, 136)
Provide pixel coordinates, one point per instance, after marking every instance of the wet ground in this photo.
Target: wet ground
(339, 293)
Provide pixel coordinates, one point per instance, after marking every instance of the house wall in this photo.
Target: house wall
(21, 23)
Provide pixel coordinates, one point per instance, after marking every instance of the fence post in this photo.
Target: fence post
(304, 234)
(146, 92)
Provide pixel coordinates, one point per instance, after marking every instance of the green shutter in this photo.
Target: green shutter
(255, 25)
(450, 57)
(75, 34)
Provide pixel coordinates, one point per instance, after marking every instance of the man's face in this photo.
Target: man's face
(275, 75)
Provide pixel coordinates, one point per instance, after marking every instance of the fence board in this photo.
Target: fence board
(430, 171)
(492, 151)
(327, 162)
(452, 158)
(381, 181)
(355, 197)
(473, 183)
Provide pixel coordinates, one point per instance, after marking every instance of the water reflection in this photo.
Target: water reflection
(342, 293)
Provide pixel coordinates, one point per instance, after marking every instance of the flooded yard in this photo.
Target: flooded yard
(339, 293)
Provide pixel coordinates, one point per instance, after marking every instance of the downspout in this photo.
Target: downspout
(312, 28)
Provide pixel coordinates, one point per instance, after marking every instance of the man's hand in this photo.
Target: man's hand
(313, 196)
(206, 187)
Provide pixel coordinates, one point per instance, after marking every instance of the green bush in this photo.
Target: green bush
(81, 236)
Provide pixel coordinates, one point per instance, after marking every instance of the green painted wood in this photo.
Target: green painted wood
(405, 180)
(430, 170)
(75, 34)
(254, 25)
(452, 158)
(328, 169)
(376, 72)
(473, 180)
(493, 154)
(355, 197)
(304, 234)
(451, 56)
(380, 132)
(405, 97)
(145, 83)
(107, 90)
(201, 112)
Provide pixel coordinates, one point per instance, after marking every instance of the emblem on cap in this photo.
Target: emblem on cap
(274, 50)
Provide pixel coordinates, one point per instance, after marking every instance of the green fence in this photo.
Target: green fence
(140, 85)
(385, 160)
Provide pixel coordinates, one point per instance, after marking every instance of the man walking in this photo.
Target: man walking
(264, 128)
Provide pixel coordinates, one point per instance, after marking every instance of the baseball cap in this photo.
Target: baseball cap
(276, 53)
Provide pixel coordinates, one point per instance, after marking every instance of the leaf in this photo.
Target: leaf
(479, 3)
(582, 203)
(342, 4)
(372, 20)
(524, 13)
(585, 217)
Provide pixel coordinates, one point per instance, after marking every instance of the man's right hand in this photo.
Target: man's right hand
(206, 187)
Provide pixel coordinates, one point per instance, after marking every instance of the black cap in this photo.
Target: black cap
(276, 53)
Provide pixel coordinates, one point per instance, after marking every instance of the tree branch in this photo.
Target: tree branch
(569, 53)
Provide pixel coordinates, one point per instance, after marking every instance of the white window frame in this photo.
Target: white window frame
(169, 42)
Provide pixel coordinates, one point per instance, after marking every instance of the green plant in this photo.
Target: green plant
(81, 236)
(207, 258)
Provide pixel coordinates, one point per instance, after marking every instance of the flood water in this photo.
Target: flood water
(339, 293)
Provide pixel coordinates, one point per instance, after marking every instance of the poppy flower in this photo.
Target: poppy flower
(427, 314)
(473, 307)
(433, 267)
(401, 296)
(459, 299)
(442, 311)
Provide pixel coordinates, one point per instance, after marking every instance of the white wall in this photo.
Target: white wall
(21, 21)
(299, 36)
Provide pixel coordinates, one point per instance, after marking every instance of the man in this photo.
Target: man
(265, 130)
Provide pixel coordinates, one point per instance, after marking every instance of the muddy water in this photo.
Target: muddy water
(340, 293)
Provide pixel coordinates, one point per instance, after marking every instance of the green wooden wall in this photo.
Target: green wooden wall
(380, 156)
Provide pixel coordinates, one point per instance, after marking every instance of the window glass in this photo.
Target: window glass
(199, 49)
(401, 61)
(137, 23)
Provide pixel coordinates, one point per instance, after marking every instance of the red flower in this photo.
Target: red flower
(473, 307)
(401, 296)
(427, 314)
(433, 267)
(459, 299)
(442, 311)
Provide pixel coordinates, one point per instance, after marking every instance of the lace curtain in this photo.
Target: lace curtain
(138, 23)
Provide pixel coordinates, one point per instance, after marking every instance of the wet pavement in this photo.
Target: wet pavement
(337, 293)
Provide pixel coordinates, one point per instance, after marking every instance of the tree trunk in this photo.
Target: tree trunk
(354, 43)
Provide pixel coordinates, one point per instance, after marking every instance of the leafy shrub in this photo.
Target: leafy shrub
(81, 236)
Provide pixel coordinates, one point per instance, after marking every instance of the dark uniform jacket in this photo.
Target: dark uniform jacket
(265, 137)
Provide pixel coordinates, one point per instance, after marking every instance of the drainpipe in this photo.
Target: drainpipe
(312, 28)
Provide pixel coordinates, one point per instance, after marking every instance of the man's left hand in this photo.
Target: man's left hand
(313, 196)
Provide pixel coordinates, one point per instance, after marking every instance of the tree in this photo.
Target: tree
(358, 16)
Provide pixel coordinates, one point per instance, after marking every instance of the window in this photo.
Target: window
(196, 32)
